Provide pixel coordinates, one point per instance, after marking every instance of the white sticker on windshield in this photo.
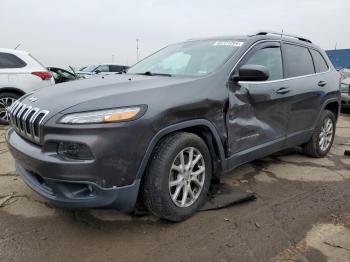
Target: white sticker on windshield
(228, 43)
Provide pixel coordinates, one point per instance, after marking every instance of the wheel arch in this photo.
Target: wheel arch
(14, 90)
(334, 107)
(201, 127)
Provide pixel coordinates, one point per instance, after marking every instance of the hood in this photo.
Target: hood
(103, 92)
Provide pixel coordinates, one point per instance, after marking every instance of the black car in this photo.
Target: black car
(185, 115)
(61, 75)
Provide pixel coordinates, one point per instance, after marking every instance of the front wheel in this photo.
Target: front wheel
(323, 136)
(178, 178)
(6, 100)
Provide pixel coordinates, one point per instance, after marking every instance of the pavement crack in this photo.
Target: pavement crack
(5, 200)
(8, 174)
(3, 151)
(336, 246)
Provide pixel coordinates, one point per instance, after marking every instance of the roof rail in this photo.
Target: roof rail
(282, 34)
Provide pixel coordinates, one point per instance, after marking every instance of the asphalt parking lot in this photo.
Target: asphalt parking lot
(302, 213)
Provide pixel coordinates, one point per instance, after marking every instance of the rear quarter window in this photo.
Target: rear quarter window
(320, 62)
(10, 61)
(298, 61)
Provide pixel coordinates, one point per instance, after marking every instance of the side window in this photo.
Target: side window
(115, 68)
(103, 68)
(320, 63)
(298, 61)
(11, 61)
(269, 57)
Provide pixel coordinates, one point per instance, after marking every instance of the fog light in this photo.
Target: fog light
(75, 151)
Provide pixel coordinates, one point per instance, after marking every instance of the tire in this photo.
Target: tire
(163, 200)
(313, 147)
(6, 99)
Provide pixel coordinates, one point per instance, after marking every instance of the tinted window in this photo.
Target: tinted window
(116, 68)
(298, 61)
(269, 57)
(10, 61)
(320, 63)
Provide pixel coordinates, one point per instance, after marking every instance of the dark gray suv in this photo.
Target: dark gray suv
(161, 132)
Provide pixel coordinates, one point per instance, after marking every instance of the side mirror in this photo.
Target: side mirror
(252, 73)
(97, 71)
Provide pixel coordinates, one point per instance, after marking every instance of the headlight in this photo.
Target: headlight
(102, 116)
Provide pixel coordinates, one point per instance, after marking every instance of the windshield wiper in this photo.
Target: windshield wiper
(149, 73)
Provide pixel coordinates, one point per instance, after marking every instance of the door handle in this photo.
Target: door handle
(282, 90)
(322, 83)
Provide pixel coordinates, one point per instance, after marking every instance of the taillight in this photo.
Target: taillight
(43, 75)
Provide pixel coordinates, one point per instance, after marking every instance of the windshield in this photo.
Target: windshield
(194, 58)
(89, 68)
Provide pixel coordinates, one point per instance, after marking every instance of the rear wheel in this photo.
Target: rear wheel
(6, 100)
(178, 178)
(323, 136)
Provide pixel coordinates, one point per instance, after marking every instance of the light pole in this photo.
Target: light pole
(137, 49)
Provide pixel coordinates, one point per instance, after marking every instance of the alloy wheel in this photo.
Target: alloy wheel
(326, 134)
(187, 176)
(5, 104)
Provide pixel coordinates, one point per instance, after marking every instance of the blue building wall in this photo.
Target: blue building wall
(340, 57)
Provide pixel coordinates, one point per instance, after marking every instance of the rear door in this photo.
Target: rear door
(305, 91)
(257, 113)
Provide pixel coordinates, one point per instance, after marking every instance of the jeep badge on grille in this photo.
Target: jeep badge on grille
(33, 99)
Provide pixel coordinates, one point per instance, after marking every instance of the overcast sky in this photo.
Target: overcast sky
(79, 32)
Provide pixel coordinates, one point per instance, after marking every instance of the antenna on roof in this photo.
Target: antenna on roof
(17, 46)
(282, 34)
(137, 49)
(336, 45)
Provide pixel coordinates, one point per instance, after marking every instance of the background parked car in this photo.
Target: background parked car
(102, 69)
(345, 93)
(344, 73)
(20, 73)
(61, 75)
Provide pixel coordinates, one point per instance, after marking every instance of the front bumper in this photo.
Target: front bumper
(80, 194)
(70, 184)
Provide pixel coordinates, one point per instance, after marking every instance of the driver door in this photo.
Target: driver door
(258, 113)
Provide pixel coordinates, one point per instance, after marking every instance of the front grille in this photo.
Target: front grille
(27, 120)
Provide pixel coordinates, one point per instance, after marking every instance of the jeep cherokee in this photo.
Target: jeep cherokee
(161, 131)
